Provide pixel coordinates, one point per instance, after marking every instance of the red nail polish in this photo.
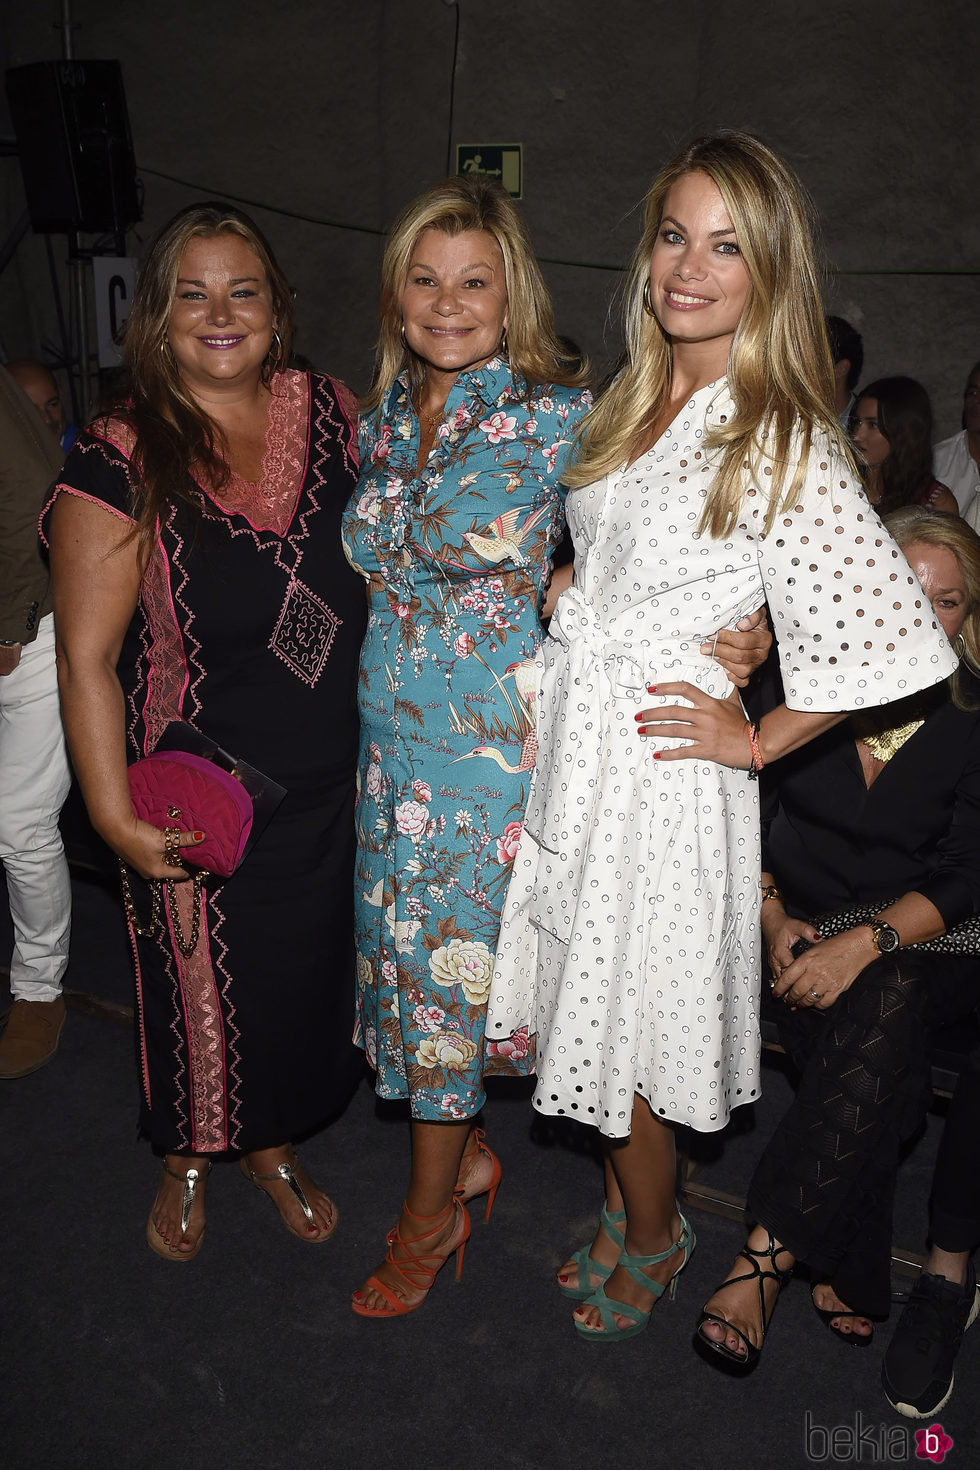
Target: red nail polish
(198, 836)
(656, 755)
(651, 688)
(638, 718)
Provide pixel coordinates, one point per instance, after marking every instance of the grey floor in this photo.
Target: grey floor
(250, 1356)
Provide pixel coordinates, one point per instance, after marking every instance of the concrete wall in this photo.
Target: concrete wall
(341, 112)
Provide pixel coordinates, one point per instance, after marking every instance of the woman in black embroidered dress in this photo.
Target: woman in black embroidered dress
(199, 576)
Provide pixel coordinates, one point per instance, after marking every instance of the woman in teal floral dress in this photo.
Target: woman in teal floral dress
(459, 507)
(454, 521)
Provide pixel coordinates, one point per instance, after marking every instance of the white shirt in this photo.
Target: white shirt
(954, 465)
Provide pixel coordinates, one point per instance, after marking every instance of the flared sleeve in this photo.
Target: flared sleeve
(852, 625)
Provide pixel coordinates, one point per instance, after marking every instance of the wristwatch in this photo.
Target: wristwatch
(886, 939)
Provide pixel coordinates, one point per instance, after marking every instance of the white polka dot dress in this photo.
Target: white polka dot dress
(630, 935)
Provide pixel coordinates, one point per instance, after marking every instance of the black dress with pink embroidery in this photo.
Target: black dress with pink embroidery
(248, 626)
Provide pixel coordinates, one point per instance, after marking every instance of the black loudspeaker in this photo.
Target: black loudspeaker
(75, 147)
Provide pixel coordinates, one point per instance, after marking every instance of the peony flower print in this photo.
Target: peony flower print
(466, 962)
(449, 1049)
(508, 842)
(411, 818)
(513, 1048)
(429, 1018)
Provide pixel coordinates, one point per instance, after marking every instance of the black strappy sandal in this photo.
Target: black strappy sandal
(752, 1353)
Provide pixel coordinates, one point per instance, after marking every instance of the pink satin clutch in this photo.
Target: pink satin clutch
(174, 788)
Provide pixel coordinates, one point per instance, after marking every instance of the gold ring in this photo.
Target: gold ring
(171, 852)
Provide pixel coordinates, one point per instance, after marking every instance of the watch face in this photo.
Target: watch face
(886, 938)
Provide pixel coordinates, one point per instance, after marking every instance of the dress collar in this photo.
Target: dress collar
(491, 383)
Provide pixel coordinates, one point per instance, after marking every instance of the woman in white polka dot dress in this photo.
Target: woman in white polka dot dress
(711, 475)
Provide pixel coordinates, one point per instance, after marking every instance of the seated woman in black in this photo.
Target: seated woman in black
(881, 817)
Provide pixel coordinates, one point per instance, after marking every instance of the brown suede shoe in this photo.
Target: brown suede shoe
(32, 1035)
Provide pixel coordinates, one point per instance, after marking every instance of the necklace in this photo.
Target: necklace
(429, 421)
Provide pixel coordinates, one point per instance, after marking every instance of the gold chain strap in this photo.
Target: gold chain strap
(127, 895)
(186, 946)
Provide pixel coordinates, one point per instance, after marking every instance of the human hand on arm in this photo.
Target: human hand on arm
(779, 930)
(743, 649)
(9, 657)
(717, 729)
(824, 972)
(95, 580)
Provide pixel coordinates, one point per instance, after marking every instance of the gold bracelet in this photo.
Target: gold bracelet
(771, 891)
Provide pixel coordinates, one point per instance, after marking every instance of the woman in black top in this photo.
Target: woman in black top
(883, 811)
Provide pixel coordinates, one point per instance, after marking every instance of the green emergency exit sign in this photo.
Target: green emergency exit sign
(501, 161)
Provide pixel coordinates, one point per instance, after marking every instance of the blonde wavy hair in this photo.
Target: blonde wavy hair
(780, 371)
(914, 523)
(455, 206)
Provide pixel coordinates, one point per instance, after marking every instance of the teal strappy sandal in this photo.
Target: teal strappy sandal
(610, 1308)
(578, 1287)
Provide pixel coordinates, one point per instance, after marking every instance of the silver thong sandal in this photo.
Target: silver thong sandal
(193, 1181)
(285, 1174)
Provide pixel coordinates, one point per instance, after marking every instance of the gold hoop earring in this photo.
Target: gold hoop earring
(273, 359)
(647, 302)
(503, 344)
(404, 338)
(959, 646)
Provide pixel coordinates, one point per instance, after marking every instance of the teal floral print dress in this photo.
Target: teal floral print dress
(457, 560)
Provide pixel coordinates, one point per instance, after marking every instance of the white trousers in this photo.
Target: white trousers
(34, 782)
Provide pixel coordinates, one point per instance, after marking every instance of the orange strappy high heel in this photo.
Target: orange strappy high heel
(420, 1268)
(491, 1186)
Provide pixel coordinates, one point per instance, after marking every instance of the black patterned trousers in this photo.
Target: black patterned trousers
(825, 1183)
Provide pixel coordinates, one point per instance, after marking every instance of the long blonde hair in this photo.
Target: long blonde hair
(780, 372)
(912, 523)
(455, 206)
